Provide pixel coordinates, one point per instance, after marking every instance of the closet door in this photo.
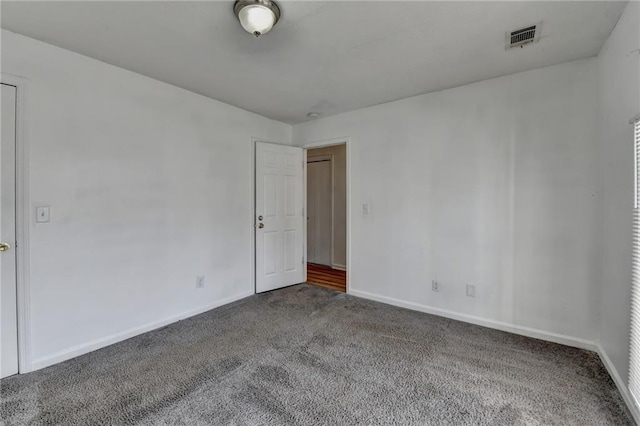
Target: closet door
(319, 208)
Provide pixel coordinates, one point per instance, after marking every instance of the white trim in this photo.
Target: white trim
(622, 387)
(252, 221)
(84, 348)
(348, 174)
(304, 209)
(324, 143)
(327, 142)
(485, 322)
(339, 267)
(523, 331)
(22, 222)
(333, 207)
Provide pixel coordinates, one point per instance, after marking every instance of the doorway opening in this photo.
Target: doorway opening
(326, 209)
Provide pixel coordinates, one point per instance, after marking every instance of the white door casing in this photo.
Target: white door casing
(279, 216)
(8, 307)
(319, 211)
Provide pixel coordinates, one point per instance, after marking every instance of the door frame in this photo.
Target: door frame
(322, 144)
(319, 158)
(22, 222)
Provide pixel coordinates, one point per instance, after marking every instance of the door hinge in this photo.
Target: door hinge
(303, 260)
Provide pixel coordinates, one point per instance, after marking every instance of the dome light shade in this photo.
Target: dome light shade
(257, 17)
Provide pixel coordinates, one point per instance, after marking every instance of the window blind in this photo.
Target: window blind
(634, 356)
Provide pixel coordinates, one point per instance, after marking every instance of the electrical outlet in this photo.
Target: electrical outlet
(200, 281)
(435, 285)
(471, 290)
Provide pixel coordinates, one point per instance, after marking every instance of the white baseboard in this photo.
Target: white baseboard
(339, 267)
(498, 325)
(84, 348)
(620, 384)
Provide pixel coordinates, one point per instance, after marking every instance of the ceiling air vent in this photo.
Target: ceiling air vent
(518, 38)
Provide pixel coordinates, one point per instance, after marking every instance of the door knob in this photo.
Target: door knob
(261, 225)
(4, 246)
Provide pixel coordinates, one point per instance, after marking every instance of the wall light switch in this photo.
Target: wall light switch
(200, 281)
(471, 290)
(365, 208)
(43, 214)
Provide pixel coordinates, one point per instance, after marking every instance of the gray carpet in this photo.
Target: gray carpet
(306, 355)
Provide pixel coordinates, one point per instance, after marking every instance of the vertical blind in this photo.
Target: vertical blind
(634, 356)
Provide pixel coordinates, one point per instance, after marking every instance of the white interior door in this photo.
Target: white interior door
(279, 216)
(319, 208)
(8, 305)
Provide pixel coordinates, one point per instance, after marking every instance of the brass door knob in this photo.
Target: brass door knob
(4, 246)
(261, 225)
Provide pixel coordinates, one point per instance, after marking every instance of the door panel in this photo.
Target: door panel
(319, 207)
(279, 216)
(8, 308)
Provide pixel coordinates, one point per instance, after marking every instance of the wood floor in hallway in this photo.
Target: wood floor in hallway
(325, 276)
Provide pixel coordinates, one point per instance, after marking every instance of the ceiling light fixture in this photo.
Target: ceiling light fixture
(257, 17)
(313, 115)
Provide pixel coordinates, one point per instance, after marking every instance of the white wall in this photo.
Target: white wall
(497, 184)
(149, 186)
(619, 100)
(493, 184)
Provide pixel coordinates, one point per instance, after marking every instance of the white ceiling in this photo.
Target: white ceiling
(327, 57)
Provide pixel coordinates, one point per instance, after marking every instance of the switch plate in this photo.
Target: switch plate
(365, 208)
(199, 281)
(471, 290)
(435, 285)
(43, 214)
